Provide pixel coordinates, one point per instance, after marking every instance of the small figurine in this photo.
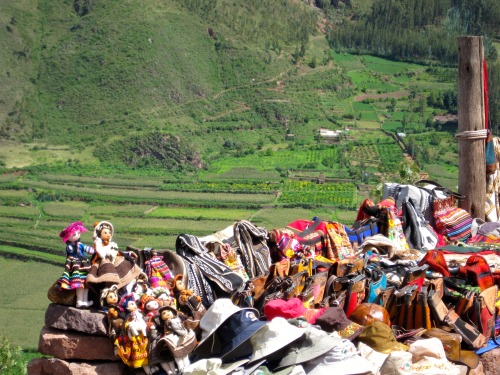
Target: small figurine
(109, 265)
(164, 297)
(156, 269)
(77, 264)
(150, 308)
(179, 341)
(189, 304)
(109, 303)
(131, 347)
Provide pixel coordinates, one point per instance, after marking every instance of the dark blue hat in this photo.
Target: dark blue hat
(234, 335)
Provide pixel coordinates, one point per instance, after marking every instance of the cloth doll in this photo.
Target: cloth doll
(177, 339)
(77, 264)
(188, 304)
(150, 306)
(131, 346)
(156, 269)
(109, 265)
(109, 303)
(164, 296)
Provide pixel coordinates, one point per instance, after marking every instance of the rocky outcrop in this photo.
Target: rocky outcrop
(77, 341)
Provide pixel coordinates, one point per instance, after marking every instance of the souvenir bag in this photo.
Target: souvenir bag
(436, 262)
(394, 230)
(347, 291)
(362, 229)
(477, 272)
(482, 312)
(454, 223)
(294, 284)
(418, 232)
(421, 193)
(314, 289)
(377, 282)
(341, 247)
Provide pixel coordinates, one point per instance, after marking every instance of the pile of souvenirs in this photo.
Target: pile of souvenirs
(410, 288)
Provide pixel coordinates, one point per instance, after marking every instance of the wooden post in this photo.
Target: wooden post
(471, 147)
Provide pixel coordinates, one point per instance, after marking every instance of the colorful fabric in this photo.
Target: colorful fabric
(158, 272)
(76, 267)
(132, 351)
(454, 223)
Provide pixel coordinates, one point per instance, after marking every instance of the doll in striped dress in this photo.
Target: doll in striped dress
(77, 263)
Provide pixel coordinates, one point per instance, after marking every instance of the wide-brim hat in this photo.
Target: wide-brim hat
(235, 333)
(273, 336)
(380, 337)
(342, 359)
(212, 366)
(70, 229)
(334, 319)
(313, 344)
(221, 310)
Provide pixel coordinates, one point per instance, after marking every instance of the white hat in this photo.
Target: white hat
(341, 360)
(376, 358)
(211, 366)
(273, 336)
(429, 357)
(397, 363)
(216, 314)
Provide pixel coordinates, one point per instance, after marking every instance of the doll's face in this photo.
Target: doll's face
(131, 306)
(179, 285)
(111, 298)
(166, 315)
(74, 237)
(152, 305)
(105, 234)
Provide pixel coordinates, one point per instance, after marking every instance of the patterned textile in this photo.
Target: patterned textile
(202, 268)
(158, 272)
(120, 272)
(252, 243)
(77, 266)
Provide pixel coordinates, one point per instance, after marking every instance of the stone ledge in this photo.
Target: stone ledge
(63, 317)
(69, 345)
(51, 366)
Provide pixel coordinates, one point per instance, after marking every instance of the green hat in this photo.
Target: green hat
(379, 337)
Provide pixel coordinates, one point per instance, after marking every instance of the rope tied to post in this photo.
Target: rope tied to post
(470, 135)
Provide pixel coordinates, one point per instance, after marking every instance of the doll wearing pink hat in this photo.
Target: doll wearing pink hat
(77, 263)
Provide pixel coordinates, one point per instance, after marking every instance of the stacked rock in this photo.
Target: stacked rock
(77, 342)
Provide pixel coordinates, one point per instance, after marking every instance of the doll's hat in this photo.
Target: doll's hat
(100, 225)
(169, 308)
(72, 228)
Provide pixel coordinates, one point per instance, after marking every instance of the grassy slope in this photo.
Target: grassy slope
(24, 299)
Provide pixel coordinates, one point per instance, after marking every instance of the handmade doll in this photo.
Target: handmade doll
(109, 303)
(178, 340)
(109, 265)
(156, 269)
(188, 303)
(131, 347)
(150, 308)
(77, 264)
(164, 297)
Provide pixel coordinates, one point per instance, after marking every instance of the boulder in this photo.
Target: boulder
(74, 345)
(62, 317)
(51, 366)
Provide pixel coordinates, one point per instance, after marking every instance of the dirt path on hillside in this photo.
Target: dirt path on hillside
(396, 95)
